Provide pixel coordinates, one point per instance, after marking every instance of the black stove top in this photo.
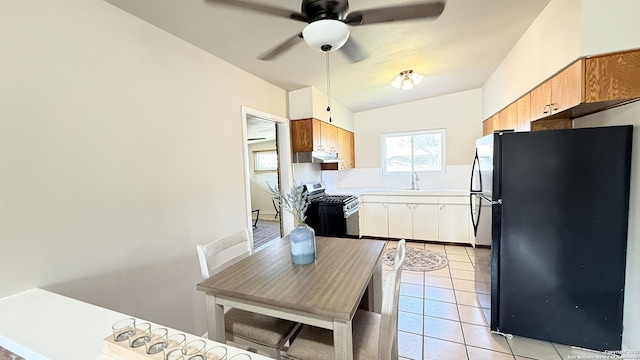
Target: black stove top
(316, 195)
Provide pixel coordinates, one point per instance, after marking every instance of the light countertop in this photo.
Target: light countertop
(401, 192)
(38, 324)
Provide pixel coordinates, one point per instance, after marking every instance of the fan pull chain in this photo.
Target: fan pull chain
(328, 87)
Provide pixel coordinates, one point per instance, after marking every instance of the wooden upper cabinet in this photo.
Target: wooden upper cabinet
(523, 106)
(328, 137)
(491, 124)
(540, 101)
(567, 88)
(613, 77)
(345, 149)
(584, 87)
(315, 135)
(305, 135)
(558, 94)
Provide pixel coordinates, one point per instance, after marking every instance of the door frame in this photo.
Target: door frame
(285, 169)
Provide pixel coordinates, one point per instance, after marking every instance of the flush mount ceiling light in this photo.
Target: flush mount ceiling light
(326, 35)
(406, 80)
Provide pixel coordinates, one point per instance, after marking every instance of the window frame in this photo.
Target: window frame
(258, 167)
(383, 150)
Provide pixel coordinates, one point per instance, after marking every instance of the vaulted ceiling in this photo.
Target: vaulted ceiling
(457, 51)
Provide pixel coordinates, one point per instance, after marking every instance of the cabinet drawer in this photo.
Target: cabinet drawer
(464, 200)
(373, 198)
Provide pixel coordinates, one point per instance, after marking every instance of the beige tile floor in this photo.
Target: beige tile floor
(443, 317)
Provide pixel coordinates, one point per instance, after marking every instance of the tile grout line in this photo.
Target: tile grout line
(455, 297)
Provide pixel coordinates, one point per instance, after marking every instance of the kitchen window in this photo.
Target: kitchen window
(265, 160)
(421, 151)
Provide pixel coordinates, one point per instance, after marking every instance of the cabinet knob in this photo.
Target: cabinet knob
(545, 111)
(554, 107)
(441, 207)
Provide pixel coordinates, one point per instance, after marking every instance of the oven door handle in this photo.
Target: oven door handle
(351, 212)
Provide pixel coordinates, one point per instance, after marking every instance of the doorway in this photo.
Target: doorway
(266, 162)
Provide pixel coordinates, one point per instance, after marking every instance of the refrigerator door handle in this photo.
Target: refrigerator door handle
(475, 218)
(476, 161)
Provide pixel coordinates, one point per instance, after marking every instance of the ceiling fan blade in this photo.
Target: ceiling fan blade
(353, 51)
(281, 48)
(261, 8)
(395, 13)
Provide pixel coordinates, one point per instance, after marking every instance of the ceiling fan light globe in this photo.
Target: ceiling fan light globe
(326, 32)
(417, 78)
(397, 82)
(407, 85)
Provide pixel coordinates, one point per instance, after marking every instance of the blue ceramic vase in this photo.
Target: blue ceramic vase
(303, 245)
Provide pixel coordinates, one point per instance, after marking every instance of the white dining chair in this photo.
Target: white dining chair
(255, 331)
(375, 336)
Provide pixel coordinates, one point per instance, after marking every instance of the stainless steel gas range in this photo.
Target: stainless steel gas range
(332, 215)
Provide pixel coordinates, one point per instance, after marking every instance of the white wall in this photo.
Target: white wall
(121, 149)
(458, 113)
(608, 26)
(312, 103)
(550, 43)
(260, 197)
(627, 115)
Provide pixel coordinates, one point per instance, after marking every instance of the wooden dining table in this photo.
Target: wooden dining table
(346, 275)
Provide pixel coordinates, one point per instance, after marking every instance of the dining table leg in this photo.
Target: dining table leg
(215, 320)
(343, 340)
(374, 290)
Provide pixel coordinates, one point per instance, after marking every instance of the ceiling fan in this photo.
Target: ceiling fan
(328, 21)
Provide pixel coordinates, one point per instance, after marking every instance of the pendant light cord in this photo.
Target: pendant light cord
(328, 86)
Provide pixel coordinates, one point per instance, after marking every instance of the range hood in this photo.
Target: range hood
(319, 157)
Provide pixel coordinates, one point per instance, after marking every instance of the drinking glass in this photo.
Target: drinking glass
(154, 343)
(216, 353)
(172, 348)
(194, 350)
(142, 332)
(123, 329)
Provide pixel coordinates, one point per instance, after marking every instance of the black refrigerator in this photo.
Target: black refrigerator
(554, 207)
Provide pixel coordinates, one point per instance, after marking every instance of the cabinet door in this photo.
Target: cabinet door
(305, 135)
(566, 88)
(328, 137)
(400, 221)
(524, 113)
(509, 117)
(487, 126)
(453, 223)
(540, 100)
(425, 222)
(344, 148)
(352, 149)
(375, 220)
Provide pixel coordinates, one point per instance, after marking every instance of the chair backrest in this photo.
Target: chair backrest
(221, 253)
(391, 293)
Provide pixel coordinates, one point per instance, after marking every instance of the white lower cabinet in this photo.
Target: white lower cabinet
(413, 217)
(375, 218)
(401, 221)
(425, 222)
(434, 218)
(453, 220)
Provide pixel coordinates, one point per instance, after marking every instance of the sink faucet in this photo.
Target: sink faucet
(414, 180)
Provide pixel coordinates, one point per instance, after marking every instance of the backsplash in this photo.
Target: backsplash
(455, 177)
